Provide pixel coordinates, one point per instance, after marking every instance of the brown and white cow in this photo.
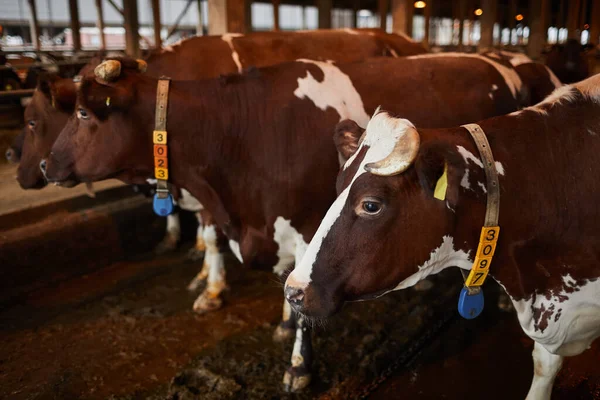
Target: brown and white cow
(198, 58)
(386, 230)
(256, 148)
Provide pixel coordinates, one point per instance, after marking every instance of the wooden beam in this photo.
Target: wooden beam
(228, 16)
(460, 11)
(275, 15)
(573, 18)
(488, 19)
(175, 25)
(74, 13)
(100, 24)
(34, 27)
(115, 6)
(539, 14)
(355, 8)
(324, 7)
(560, 18)
(384, 7)
(595, 22)
(402, 17)
(156, 25)
(512, 13)
(131, 22)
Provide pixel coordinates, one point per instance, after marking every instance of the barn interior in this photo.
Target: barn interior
(97, 301)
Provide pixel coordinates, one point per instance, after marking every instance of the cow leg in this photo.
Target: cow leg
(297, 376)
(286, 328)
(169, 242)
(197, 252)
(210, 299)
(545, 367)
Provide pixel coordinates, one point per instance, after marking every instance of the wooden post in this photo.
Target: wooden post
(275, 15)
(595, 22)
(228, 16)
(487, 23)
(324, 7)
(560, 18)
(427, 15)
(100, 24)
(539, 11)
(460, 10)
(383, 11)
(355, 8)
(573, 18)
(132, 36)
(34, 27)
(402, 17)
(583, 15)
(200, 24)
(156, 25)
(74, 13)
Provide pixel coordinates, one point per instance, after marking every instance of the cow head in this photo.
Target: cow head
(45, 116)
(13, 153)
(380, 232)
(109, 134)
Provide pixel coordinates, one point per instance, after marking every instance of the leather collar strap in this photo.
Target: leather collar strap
(491, 230)
(161, 161)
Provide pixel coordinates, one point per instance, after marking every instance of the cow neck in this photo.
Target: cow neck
(202, 141)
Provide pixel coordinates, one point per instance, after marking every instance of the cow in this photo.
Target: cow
(255, 148)
(568, 61)
(198, 58)
(388, 229)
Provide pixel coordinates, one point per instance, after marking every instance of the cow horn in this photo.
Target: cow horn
(108, 70)
(404, 153)
(142, 65)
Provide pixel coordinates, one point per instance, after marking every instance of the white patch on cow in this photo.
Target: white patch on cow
(228, 37)
(215, 282)
(441, 258)
(482, 186)
(381, 136)
(464, 182)
(450, 208)
(515, 58)
(291, 245)
(545, 368)
(392, 52)
(235, 249)
(499, 168)
(564, 94)
(151, 181)
(574, 322)
(468, 156)
(512, 79)
(297, 357)
(188, 202)
(592, 133)
(335, 91)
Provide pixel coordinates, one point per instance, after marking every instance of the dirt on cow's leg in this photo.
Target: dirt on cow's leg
(210, 299)
(200, 278)
(197, 252)
(172, 236)
(287, 327)
(298, 375)
(545, 367)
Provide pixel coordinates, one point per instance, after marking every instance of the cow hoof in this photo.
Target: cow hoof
(295, 379)
(196, 283)
(504, 303)
(424, 285)
(195, 254)
(167, 245)
(206, 303)
(283, 334)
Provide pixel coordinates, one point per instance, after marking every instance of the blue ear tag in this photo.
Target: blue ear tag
(470, 305)
(163, 206)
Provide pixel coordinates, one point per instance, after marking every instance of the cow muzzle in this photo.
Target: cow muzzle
(12, 156)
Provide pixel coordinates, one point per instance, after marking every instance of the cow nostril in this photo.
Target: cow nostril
(9, 154)
(294, 295)
(43, 165)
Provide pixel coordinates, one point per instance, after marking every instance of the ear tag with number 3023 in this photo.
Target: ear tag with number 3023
(163, 206)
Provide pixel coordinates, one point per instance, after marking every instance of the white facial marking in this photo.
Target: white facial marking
(291, 245)
(228, 37)
(512, 79)
(381, 136)
(441, 258)
(335, 91)
(235, 249)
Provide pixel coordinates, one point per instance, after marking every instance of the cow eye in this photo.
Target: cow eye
(31, 123)
(82, 114)
(371, 207)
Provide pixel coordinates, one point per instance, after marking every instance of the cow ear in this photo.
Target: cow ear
(440, 170)
(346, 138)
(64, 94)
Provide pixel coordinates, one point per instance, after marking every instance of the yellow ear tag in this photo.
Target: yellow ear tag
(107, 101)
(442, 185)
